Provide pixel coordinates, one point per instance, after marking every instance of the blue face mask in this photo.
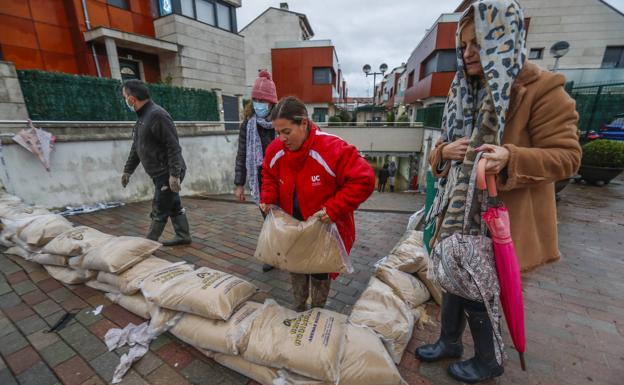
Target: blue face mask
(261, 109)
(131, 108)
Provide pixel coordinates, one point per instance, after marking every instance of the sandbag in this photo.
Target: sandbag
(433, 286)
(409, 254)
(309, 343)
(68, 275)
(366, 361)
(97, 285)
(18, 251)
(204, 292)
(261, 374)
(161, 320)
(77, 241)
(409, 288)
(118, 254)
(384, 312)
(216, 335)
(43, 229)
(129, 282)
(135, 304)
(301, 247)
(48, 259)
(21, 211)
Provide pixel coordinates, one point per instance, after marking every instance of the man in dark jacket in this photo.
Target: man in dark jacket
(155, 145)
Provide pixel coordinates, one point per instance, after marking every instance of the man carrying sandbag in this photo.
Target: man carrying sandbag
(308, 172)
(155, 145)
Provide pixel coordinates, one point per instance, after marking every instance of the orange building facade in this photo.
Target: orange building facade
(310, 71)
(49, 35)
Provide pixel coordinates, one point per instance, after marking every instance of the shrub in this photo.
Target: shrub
(403, 120)
(604, 153)
(335, 121)
(390, 117)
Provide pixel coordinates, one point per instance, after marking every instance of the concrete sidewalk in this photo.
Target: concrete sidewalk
(574, 308)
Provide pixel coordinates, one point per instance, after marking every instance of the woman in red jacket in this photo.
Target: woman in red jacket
(309, 172)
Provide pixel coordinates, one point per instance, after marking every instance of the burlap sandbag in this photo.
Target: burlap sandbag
(409, 254)
(261, 374)
(301, 247)
(365, 362)
(384, 312)
(68, 275)
(309, 343)
(204, 292)
(101, 286)
(129, 282)
(161, 319)
(77, 241)
(43, 229)
(215, 335)
(118, 254)
(18, 251)
(21, 211)
(409, 288)
(48, 259)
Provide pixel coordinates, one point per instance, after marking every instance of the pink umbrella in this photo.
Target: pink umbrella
(497, 219)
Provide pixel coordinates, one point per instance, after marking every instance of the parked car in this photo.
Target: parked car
(613, 130)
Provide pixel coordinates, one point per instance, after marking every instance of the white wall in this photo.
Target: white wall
(90, 171)
(381, 139)
(588, 25)
(261, 36)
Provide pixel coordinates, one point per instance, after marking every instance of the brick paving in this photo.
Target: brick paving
(574, 308)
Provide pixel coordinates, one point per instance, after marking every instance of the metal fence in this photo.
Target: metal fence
(430, 116)
(597, 104)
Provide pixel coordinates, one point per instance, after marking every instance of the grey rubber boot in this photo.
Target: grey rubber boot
(182, 231)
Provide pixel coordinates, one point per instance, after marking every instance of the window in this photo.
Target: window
(440, 61)
(536, 54)
(187, 8)
(224, 16)
(613, 57)
(410, 79)
(320, 114)
(205, 12)
(322, 75)
(119, 3)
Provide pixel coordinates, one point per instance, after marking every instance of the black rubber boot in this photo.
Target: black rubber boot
(155, 231)
(266, 267)
(182, 231)
(449, 345)
(483, 366)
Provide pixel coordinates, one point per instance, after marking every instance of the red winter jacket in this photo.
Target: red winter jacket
(327, 172)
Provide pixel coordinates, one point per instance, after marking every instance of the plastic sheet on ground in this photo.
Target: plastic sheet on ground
(85, 209)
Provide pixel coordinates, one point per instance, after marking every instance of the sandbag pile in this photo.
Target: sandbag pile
(393, 300)
(308, 247)
(211, 310)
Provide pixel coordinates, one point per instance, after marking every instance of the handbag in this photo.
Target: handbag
(463, 264)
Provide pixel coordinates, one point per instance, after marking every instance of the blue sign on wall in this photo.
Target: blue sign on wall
(166, 7)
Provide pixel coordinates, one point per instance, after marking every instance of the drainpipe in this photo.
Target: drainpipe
(88, 24)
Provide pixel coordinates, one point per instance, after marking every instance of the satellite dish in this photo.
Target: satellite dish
(559, 49)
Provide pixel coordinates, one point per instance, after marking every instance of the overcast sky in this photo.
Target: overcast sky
(364, 32)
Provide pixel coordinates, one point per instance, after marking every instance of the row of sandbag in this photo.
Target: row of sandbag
(393, 301)
(268, 343)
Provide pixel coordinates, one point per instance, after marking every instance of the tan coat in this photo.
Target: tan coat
(541, 136)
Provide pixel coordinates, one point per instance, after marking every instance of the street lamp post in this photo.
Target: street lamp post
(558, 50)
(367, 70)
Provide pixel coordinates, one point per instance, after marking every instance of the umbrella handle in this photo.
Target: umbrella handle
(486, 181)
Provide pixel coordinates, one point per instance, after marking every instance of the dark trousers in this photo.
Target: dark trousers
(166, 203)
(382, 185)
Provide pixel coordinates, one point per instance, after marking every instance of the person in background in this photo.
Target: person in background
(255, 135)
(524, 122)
(392, 171)
(155, 145)
(308, 172)
(383, 175)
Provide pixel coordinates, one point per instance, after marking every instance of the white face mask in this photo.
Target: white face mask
(129, 106)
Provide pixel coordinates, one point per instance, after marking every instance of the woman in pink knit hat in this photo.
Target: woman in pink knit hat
(256, 133)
